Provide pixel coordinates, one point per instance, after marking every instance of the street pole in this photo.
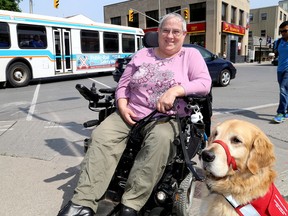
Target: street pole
(245, 60)
(31, 6)
(260, 41)
(159, 9)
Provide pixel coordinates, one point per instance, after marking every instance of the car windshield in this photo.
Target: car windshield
(207, 55)
(204, 53)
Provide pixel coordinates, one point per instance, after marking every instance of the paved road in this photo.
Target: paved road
(39, 159)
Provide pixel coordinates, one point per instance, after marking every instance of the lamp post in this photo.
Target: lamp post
(31, 6)
(260, 42)
(159, 8)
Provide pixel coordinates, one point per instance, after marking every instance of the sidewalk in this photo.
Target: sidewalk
(263, 63)
(39, 161)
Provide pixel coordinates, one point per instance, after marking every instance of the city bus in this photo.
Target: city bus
(38, 47)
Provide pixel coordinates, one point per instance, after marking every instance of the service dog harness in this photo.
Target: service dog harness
(272, 204)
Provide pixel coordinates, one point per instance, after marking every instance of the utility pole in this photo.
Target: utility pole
(260, 53)
(159, 6)
(31, 6)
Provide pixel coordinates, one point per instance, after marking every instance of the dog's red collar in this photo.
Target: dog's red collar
(230, 159)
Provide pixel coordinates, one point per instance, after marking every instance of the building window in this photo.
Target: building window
(153, 14)
(251, 17)
(250, 34)
(197, 12)
(241, 17)
(172, 9)
(116, 20)
(280, 15)
(135, 22)
(263, 16)
(224, 12)
(263, 33)
(198, 39)
(233, 15)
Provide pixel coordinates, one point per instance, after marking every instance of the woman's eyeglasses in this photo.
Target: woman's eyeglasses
(175, 32)
(284, 31)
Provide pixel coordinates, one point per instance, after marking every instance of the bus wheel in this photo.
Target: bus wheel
(19, 74)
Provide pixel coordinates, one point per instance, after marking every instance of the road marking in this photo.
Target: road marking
(57, 126)
(5, 129)
(246, 109)
(217, 113)
(6, 126)
(33, 104)
(100, 83)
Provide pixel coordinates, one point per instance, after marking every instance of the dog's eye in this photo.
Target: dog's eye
(236, 140)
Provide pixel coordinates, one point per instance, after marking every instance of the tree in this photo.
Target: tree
(11, 5)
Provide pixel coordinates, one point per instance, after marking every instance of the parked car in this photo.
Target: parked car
(221, 70)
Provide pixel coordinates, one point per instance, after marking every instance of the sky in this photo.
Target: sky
(93, 9)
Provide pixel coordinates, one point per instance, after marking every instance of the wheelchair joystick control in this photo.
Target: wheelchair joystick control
(93, 88)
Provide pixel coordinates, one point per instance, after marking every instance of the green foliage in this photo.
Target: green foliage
(11, 5)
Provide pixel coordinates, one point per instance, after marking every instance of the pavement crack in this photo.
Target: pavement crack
(8, 128)
(276, 138)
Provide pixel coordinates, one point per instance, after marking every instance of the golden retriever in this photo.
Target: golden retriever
(238, 162)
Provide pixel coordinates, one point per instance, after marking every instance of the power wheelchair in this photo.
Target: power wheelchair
(173, 194)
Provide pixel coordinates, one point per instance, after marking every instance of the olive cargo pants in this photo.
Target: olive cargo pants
(108, 143)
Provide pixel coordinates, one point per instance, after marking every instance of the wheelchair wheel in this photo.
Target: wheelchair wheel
(184, 201)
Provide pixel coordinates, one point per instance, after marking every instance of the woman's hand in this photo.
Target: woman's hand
(126, 113)
(166, 101)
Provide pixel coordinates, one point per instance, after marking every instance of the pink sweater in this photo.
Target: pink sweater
(147, 77)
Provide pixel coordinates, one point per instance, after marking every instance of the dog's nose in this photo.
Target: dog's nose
(208, 156)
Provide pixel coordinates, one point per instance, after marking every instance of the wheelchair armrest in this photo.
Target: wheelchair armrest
(88, 94)
(108, 90)
(195, 98)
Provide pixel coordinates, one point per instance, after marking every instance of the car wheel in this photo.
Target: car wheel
(184, 201)
(225, 78)
(18, 74)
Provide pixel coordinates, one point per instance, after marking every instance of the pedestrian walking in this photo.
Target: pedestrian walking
(281, 50)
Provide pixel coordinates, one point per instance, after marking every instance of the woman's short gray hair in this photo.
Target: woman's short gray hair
(173, 15)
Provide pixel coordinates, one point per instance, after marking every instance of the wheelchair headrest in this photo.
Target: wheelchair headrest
(150, 39)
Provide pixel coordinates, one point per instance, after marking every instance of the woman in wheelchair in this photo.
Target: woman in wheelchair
(153, 79)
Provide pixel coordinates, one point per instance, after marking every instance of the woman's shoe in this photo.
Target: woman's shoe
(127, 211)
(72, 209)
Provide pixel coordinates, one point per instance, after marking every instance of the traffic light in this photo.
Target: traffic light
(131, 15)
(56, 3)
(186, 14)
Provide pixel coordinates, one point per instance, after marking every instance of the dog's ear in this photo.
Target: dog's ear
(261, 154)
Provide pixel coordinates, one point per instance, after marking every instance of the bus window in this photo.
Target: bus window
(128, 43)
(4, 36)
(139, 42)
(90, 41)
(111, 42)
(30, 36)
